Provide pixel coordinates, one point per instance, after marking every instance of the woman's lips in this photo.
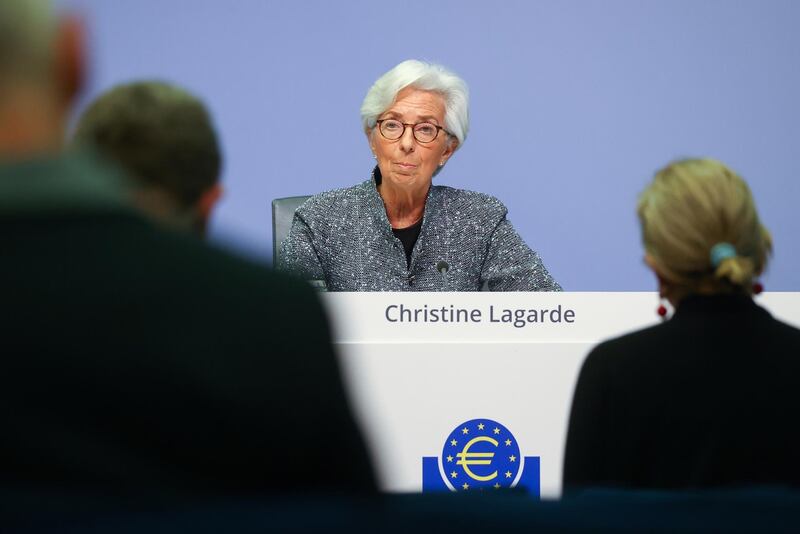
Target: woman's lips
(406, 166)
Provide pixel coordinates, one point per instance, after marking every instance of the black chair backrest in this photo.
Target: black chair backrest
(282, 215)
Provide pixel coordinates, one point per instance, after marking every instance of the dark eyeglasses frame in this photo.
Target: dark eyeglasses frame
(413, 131)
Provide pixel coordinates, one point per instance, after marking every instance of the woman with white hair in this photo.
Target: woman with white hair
(708, 398)
(397, 231)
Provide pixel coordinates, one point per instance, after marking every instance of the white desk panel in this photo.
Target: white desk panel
(411, 383)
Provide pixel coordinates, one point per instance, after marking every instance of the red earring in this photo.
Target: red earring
(662, 311)
(758, 287)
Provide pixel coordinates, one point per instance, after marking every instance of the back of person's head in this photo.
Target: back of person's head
(164, 137)
(700, 228)
(26, 33)
(41, 71)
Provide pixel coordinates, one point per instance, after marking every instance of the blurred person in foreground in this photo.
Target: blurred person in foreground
(163, 136)
(140, 364)
(398, 232)
(708, 398)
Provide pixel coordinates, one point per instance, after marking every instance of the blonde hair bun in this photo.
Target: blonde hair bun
(694, 206)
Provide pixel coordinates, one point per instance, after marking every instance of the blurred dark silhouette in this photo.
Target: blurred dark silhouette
(706, 399)
(139, 364)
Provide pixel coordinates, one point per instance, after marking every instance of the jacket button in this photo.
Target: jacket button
(411, 280)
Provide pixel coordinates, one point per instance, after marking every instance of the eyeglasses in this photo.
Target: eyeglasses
(424, 132)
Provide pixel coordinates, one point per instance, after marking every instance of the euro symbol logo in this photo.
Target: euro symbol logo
(466, 458)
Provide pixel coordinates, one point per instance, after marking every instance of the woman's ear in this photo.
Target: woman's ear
(650, 262)
(663, 283)
(371, 142)
(452, 145)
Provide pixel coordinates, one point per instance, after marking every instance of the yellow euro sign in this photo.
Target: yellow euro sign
(466, 458)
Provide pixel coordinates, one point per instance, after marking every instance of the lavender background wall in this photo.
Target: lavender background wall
(575, 103)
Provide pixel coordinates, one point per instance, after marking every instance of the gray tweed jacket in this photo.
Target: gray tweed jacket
(344, 238)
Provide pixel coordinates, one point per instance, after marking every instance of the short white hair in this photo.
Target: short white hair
(27, 28)
(425, 76)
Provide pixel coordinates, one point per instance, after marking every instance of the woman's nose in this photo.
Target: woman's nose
(407, 140)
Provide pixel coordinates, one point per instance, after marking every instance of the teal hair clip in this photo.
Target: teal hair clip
(720, 252)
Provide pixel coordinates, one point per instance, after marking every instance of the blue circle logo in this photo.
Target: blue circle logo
(480, 454)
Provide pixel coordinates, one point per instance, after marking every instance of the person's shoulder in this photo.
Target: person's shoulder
(784, 331)
(335, 199)
(213, 270)
(629, 347)
(471, 202)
